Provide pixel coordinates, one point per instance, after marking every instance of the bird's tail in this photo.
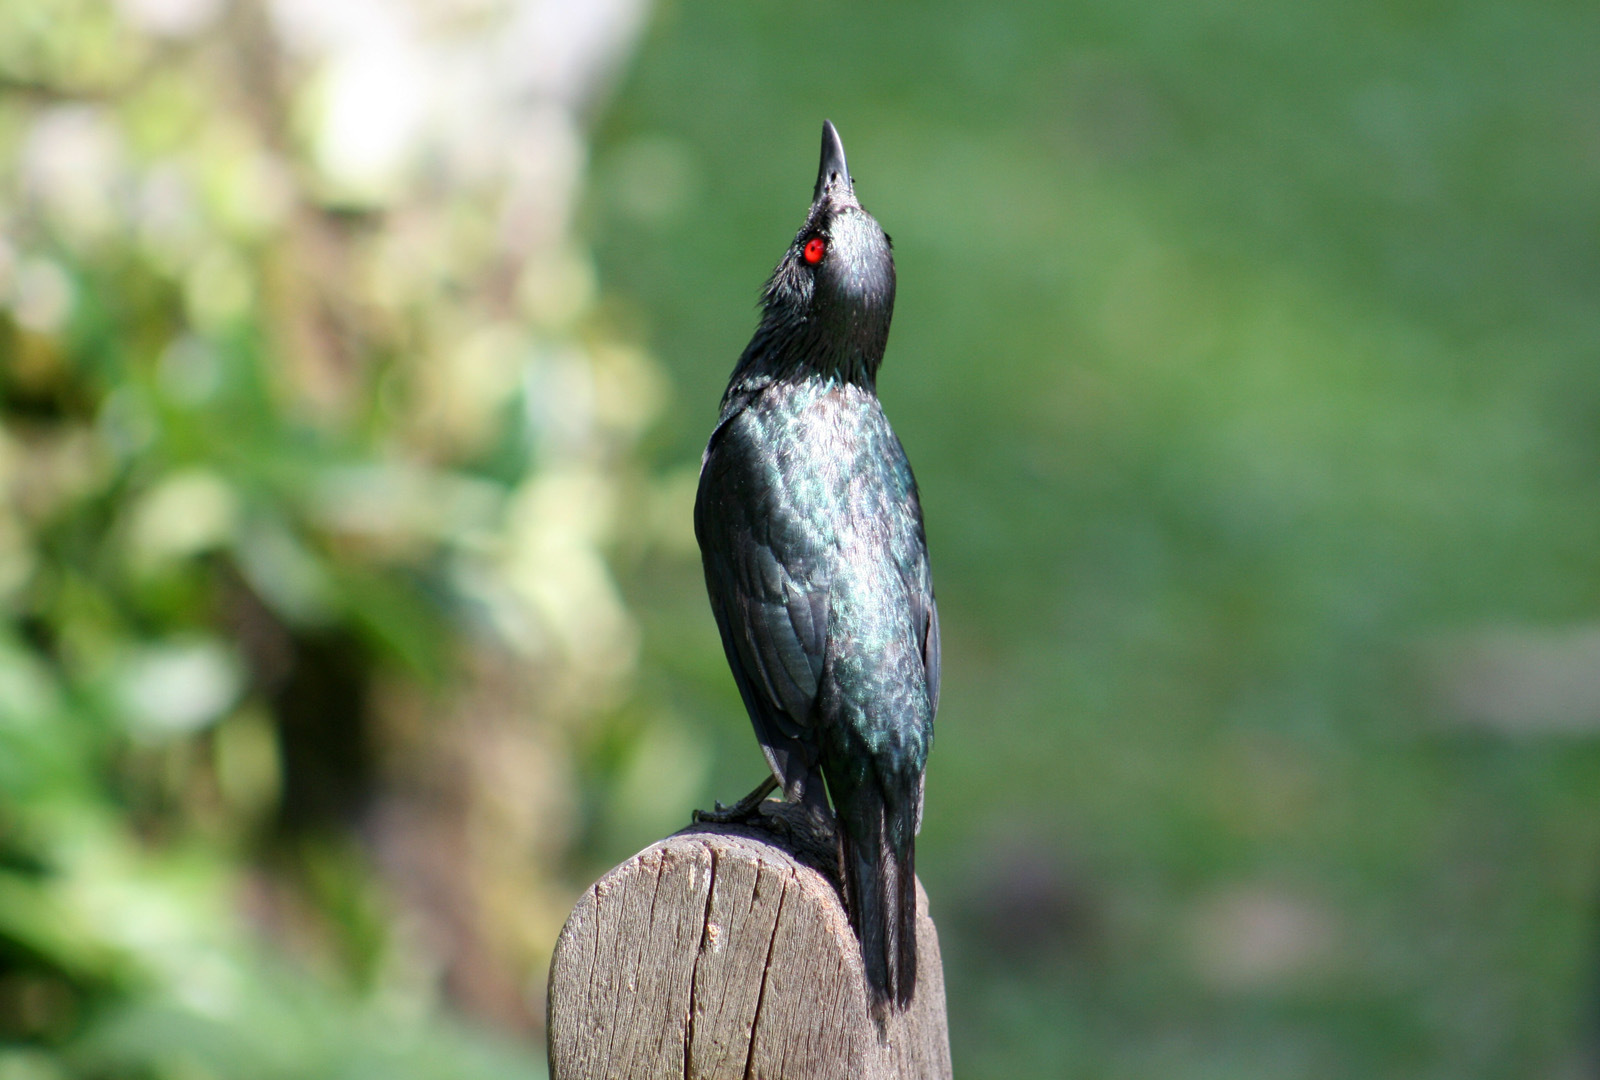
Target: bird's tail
(877, 852)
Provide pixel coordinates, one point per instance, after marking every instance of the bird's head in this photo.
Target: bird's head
(828, 304)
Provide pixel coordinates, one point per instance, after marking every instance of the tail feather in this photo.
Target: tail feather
(881, 890)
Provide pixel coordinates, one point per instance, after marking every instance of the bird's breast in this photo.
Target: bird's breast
(831, 453)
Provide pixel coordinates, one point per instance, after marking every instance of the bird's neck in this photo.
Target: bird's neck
(791, 349)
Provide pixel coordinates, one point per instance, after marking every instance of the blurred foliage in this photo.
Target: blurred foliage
(1246, 353)
(1247, 356)
(313, 441)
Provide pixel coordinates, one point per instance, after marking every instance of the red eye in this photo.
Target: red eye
(816, 248)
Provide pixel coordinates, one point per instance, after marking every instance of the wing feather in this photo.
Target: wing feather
(772, 617)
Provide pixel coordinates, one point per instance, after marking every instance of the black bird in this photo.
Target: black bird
(815, 559)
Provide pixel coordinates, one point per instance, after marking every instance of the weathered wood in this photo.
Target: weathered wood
(724, 953)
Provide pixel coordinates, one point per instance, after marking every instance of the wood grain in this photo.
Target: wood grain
(724, 953)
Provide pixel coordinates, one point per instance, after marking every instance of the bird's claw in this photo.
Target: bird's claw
(740, 812)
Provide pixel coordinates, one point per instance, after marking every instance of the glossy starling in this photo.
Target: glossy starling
(811, 534)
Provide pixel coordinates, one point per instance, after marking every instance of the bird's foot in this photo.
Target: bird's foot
(740, 812)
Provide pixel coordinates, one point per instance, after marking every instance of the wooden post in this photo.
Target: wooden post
(724, 953)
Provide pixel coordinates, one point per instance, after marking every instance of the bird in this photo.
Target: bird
(816, 562)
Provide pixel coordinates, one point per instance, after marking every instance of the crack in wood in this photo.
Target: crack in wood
(694, 972)
(766, 974)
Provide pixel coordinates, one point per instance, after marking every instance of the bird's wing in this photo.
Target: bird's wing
(764, 575)
(918, 578)
(927, 612)
(924, 614)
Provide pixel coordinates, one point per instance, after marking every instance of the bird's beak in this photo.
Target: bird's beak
(833, 175)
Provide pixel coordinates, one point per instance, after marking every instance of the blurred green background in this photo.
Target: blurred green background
(356, 362)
